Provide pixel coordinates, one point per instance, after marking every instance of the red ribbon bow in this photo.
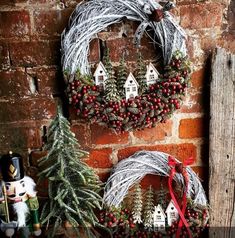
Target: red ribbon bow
(177, 167)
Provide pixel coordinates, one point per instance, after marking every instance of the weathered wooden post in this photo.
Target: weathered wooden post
(222, 145)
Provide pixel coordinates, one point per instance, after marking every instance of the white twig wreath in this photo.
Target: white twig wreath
(153, 103)
(131, 170)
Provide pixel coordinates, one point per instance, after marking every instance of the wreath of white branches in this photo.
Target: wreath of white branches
(92, 17)
(131, 170)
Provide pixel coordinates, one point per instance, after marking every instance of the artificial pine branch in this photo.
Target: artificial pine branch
(137, 204)
(121, 77)
(140, 74)
(148, 208)
(72, 186)
(111, 91)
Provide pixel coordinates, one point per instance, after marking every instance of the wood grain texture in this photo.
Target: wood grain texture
(222, 146)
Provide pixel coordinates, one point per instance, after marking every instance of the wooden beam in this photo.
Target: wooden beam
(222, 146)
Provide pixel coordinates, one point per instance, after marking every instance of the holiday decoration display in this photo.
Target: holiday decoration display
(18, 201)
(72, 186)
(181, 218)
(121, 102)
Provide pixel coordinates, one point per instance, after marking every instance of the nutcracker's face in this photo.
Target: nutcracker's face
(16, 190)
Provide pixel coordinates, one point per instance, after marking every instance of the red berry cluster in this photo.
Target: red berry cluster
(154, 106)
(120, 222)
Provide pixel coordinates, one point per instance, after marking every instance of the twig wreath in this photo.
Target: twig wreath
(130, 171)
(106, 104)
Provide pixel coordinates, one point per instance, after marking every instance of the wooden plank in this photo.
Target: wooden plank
(222, 146)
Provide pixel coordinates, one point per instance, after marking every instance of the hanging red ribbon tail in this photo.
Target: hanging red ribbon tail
(173, 163)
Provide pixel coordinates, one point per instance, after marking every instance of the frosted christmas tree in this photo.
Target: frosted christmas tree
(72, 186)
(148, 208)
(121, 77)
(137, 204)
(111, 91)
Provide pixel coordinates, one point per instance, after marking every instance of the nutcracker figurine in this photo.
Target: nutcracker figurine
(18, 201)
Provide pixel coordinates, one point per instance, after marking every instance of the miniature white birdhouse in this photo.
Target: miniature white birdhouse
(151, 75)
(100, 75)
(159, 218)
(131, 87)
(172, 213)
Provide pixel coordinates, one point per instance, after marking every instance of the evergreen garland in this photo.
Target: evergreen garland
(148, 208)
(111, 91)
(121, 77)
(140, 74)
(72, 186)
(137, 204)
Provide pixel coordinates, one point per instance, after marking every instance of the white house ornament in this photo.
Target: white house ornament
(159, 218)
(100, 75)
(131, 87)
(152, 74)
(19, 208)
(172, 213)
(134, 110)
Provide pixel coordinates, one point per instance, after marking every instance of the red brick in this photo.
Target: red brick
(202, 172)
(4, 56)
(35, 53)
(231, 16)
(227, 41)
(6, 2)
(195, 103)
(104, 176)
(82, 133)
(35, 156)
(14, 24)
(101, 135)
(94, 56)
(100, 158)
(199, 78)
(49, 80)
(21, 136)
(154, 180)
(50, 22)
(126, 45)
(192, 128)
(27, 109)
(187, 2)
(201, 15)
(14, 83)
(179, 151)
(161, 131)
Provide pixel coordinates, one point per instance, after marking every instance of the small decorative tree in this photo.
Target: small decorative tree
(137, 204)
(162, 197)
(121, 77)
(148, 208)
(111, 91)
(140, 74)
(72, 186)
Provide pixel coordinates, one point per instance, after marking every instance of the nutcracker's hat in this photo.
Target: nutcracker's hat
(11, 165)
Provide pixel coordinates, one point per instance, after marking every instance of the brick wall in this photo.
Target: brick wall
(31, 82)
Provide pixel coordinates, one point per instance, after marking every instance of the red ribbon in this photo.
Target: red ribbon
(177, 167)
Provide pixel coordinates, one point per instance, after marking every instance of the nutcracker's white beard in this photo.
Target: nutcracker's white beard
(21, 210)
